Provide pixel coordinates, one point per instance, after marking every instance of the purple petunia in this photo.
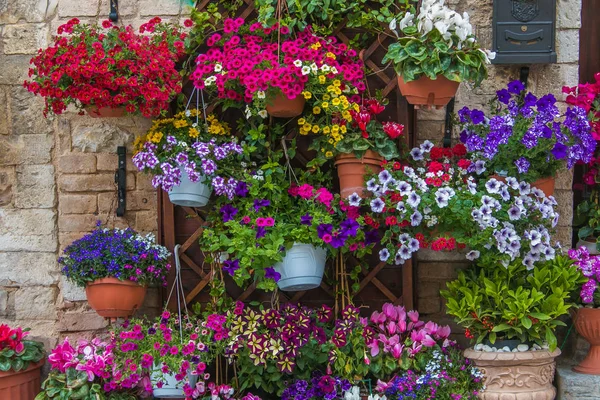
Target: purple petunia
(522, 165)
(270, 273)
(230, 266)
(258, 204)
(324, 229)
(306, 219)
(516, 87)
(228, 212)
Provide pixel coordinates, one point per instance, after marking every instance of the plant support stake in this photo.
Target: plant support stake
(121, 180)
(114, 10)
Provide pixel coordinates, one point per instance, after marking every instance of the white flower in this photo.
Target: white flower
(473, 255)
(298, 63)
(248, 112)
(187, 113)
(354, 199)
(426, 146)
(260, 94)
(325, 68)
(218, 67)
(384, 255)
(334, 70)
(305, 70)
(263, 114)
(392, 25)
(314, 67)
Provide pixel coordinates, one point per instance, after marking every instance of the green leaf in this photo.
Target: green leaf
(526, 322)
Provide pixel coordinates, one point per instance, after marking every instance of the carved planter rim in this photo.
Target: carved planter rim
(521, 357)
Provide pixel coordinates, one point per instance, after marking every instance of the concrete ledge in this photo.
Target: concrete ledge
(574, 386)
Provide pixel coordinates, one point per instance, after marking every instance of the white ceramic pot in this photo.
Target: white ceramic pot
(171, 389)
(302, 267)
(190, 194)
(591, 246)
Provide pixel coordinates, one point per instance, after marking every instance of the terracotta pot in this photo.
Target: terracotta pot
(282, 107)
(546, 185)
(105, 112)
(587, 323)
(113, 298)
(22, 385)
(351, 171)
(524, 375)
(426, 92)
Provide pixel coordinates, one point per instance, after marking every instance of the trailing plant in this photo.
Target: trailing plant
(589, 265)
(118, 253)
(436, 41)
(525, 136)
(109, 66)
(494, 302)
(16, 352)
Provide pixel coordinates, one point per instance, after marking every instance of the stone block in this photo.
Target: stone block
(550, 78)
(35, 187)
(28, 269)
(564, 179)
(135, 201)
(63, 137)
(81, 321)
(4, 123)
(13, 11)
(3, 302)
(568, 14)
(27, 113)
(77, 163)
(127, 8)
(80, 8)
(107, 161)
(7, 183)
(574, 386)
(144, 182)
(99, 137)
(442, 256)
(437, 270)
(146, 221)
(28, 149)
(71, 292)
(24, 38)
(66, 238)
(564, 198)
(151, 8)
(77, 222)
(429, 306)
(28, 230)
(77, 204)
(91, 183)
(564, 236)
(13, 69)
(567, 46)
(430, 130)
(36, 302)
(428, 289)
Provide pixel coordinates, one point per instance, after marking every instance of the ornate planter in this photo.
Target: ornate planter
(282, 107)
(21, 385)
(524, 375)
(113, 298)
(428, 93)
(587, 323)
(302, 267)
(190, 194)
(351, 171)
(105, 112)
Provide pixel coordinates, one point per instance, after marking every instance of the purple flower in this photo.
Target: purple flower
(306, 219)
(261, 203)
(529, 100)
(230, 266)
(477, 116)
(349, 227)
(228, 212)
(522, 165)
(559, 151)
(463, 114)
(270, 273)
(503, 96)
(260, 232)
(371, 237)
(324, 229)
(241, 189)
(516, 87)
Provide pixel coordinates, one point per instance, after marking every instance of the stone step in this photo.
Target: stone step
(575, 386)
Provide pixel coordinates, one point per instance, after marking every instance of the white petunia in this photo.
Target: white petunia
(263, 114)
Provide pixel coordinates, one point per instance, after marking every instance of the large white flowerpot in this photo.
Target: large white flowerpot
(171, 389)
(590, 246)
(302, 267)
(190, 194)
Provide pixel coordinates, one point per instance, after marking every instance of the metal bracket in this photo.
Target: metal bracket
(524, 77)
(121, 180)
(448, 124)
(114, 10)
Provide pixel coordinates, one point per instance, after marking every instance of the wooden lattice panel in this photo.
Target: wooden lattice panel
(379, 283)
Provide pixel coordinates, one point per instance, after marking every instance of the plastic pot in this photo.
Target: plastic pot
(190, 194)
(302, 267)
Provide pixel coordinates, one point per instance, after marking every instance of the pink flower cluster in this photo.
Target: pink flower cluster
(589, 265)
(95, 358)
(246, 61)
(307, 192)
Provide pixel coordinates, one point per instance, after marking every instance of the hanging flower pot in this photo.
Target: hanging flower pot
(283, 107)
(518, 375)
(546, 185)
(590, 244)
(114, 298)
(428, 93)
(190, 194)
(105, 112)
(351, 171)
(587, 324)
(21, 385)
(302, 267)
(170, 388)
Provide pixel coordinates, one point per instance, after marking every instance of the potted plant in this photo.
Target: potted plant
(109, 70)
(587, 318)
(189, 158)
(433, 202)
(115, 266)
(435, 51)
(351, 133)
(86, 372)
(272, 70)
(588, 215)
(512, 313)
(283, 221)
(320, 386)
(21, 361)
(527, 137)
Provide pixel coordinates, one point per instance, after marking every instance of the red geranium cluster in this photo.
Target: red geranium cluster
(246, 62)
(109, 66)
(587, 96)
(12, 338)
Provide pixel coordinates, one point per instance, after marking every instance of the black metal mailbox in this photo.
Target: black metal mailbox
(524, 31)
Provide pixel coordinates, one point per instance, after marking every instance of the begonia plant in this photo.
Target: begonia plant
(16, 352)
(109, 67)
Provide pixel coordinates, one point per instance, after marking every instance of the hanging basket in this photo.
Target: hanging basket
(282, 107)
(352, 171)
(302, 267)
(105, 112)
(114, 298)
(171, 388)
(590, 244)
(428, 93)
(190, 194)
(21, 385)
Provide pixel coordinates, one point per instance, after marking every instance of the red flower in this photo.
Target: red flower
(393, 129)
(464, 163)
(436, 153)
(397, 166)
(459, 150)
(188, 23)
(435, 166)
(391, 221)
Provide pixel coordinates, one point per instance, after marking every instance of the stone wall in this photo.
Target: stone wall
(56, 176)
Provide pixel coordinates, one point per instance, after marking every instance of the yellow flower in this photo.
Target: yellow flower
(180, 123)
(330, 55)
(157, 137)
(343, 129)
(335, 102)
(331, 88)
(335, 129)
(301, 121)
(315, 46)
(315, 129)
(307, 95)
(329, 154)
(317, 110)
(307, 127)
(194, 132)
(331, 141)
(326, 97)
(322, 79)
(337, 83)
(346, 115)
(326, 130)
(343, 98)
(325, 105)
(338, 91)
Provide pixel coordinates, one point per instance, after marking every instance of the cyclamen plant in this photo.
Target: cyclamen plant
(435, 197)
(117, 253)
(526, 136)
(16, 352)
(589, 265)
(109, 66)
(253, 64)
(185, 145)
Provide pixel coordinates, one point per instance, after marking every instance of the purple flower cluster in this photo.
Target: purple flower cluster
(337, 239)
(589, 265)
(319, 387)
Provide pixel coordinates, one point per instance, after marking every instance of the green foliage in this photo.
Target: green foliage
(74, 385)
(588, 217)
(33, 352)
(493, 302)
